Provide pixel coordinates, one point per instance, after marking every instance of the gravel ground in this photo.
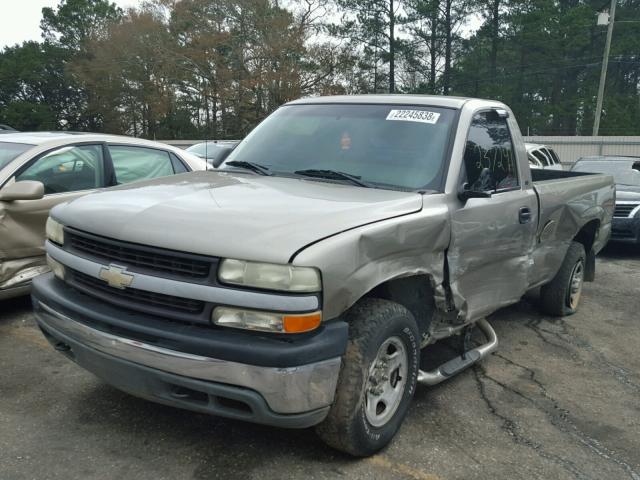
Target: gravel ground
(559, 400)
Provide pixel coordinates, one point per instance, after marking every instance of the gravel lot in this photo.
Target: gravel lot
(560, 400)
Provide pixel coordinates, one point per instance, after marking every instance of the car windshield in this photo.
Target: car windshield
(385, 146)
(623, 172)
(9, 151)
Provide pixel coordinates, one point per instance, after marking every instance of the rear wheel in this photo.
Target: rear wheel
(561, 295)
(377, 380)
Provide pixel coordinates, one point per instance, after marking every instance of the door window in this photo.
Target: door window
(68, 169)
(489, 156)
(139, 163)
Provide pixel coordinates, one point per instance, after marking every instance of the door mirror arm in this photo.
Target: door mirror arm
(466, 192)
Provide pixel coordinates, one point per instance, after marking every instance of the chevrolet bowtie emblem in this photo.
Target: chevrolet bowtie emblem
(116, 276)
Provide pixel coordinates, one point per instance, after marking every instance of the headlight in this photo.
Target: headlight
(56, 267)
(55, 231)
(270, 276)
(265, 321)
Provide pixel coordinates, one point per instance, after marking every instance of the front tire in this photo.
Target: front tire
(561, 296)
(377, 380)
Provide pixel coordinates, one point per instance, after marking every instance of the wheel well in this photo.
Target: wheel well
(415, 293)
(587, 237)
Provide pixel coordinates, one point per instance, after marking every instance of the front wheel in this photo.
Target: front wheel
(561, 295)
(377, 380)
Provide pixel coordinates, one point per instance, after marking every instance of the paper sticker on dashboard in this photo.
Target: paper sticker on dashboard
(413, 116)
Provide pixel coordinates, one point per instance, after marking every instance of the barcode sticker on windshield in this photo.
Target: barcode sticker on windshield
(413, 116)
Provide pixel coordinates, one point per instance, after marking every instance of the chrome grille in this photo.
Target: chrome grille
(139, 257)
(132, 295)
(624, 209)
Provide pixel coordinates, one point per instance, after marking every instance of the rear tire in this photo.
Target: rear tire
(377, 380)
(561, 296)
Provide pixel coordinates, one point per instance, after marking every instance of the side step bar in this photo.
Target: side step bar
(456, 365)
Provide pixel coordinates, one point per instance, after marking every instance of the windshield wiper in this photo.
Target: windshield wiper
(332, 175)
(254, 167)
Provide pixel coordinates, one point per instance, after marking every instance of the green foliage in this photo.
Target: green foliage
(75, 21)
(548, 67)
(203, 68)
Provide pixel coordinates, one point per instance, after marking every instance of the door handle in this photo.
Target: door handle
(524, 215)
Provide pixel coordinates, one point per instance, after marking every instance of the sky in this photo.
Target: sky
(20, 19)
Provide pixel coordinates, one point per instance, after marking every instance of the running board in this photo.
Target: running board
(456, 365)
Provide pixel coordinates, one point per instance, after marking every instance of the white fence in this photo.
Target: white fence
(569, 149)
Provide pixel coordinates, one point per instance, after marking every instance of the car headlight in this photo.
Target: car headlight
(56, 267)
(270, 276)
(55, 231)
(265, 321)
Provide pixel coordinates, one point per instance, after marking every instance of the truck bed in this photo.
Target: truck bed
(567, 201)
(540, 175)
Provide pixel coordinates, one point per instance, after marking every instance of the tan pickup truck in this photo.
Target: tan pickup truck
(301, 283)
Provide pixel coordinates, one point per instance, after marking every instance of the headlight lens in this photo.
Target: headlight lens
(270, 276)
(265, 321)
(56, 267)
(55, 231)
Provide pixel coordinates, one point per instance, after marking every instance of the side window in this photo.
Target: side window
(68, 169)
(178, 166)
(139, 163)
(489, 156)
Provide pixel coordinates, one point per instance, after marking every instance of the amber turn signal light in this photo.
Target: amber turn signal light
(301, 323)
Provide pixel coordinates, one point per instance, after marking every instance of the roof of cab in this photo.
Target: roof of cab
(430, 100)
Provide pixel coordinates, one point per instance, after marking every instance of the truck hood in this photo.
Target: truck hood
(233, 215)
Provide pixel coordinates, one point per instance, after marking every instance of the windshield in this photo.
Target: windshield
(387, 146)
(622, 171)
(9, 151)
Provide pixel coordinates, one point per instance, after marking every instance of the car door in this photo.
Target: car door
(489, 256)
(66, 173)
(134, 163)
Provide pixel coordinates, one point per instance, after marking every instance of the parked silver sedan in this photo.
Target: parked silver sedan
(42, 169)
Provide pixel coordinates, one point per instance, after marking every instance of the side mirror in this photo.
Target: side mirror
(223, 155)
(465, 193)
(24, 190)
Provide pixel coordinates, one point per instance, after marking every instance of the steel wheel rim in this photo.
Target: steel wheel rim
(386, 382)
(575, 285)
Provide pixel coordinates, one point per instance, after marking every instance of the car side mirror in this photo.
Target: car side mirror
(466, 192)
(223, 155)
(24, 190)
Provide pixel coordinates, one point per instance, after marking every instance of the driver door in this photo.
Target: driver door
(66, 173)
(492, 238)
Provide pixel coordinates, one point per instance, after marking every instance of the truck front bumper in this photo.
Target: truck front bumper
(625, 230)
(294, 396)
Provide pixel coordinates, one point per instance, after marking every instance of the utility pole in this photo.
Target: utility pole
(603, 72)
